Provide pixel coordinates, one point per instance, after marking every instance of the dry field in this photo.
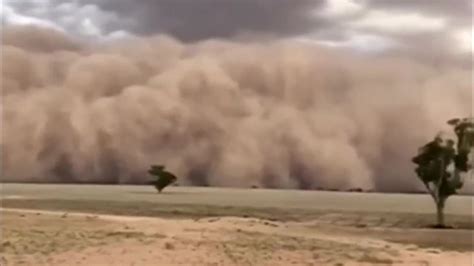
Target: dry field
(133, 225)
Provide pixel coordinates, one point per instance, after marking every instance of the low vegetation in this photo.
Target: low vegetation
(162, 178)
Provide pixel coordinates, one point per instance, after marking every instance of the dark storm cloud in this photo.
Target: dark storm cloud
(185, 19)
(200, 19)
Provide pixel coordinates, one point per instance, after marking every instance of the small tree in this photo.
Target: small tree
(162, 178)
(440, 164)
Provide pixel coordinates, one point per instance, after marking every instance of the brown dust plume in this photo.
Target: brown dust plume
(218, 113)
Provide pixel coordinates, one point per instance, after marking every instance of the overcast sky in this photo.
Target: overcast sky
(410, 26)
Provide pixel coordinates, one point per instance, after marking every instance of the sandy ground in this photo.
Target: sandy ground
(32, 237)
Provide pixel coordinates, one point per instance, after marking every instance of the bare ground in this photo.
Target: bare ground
(39, 237)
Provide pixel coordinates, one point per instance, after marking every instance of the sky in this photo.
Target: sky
(429, 28)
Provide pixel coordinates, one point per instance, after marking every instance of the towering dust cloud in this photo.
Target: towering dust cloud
(218, 113)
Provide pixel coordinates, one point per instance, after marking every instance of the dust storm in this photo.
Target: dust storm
(279, 114)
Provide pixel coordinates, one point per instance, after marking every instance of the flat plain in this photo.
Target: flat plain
(46, 224)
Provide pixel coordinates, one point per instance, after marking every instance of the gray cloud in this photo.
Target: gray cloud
(458, 12)
(201, 19)
(343, 23)
(185, 19)
(84, 20)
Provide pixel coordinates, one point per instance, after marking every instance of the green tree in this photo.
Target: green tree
(162, 178)
(440, 164)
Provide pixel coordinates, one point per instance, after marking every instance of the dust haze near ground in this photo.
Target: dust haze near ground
(219, 113)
